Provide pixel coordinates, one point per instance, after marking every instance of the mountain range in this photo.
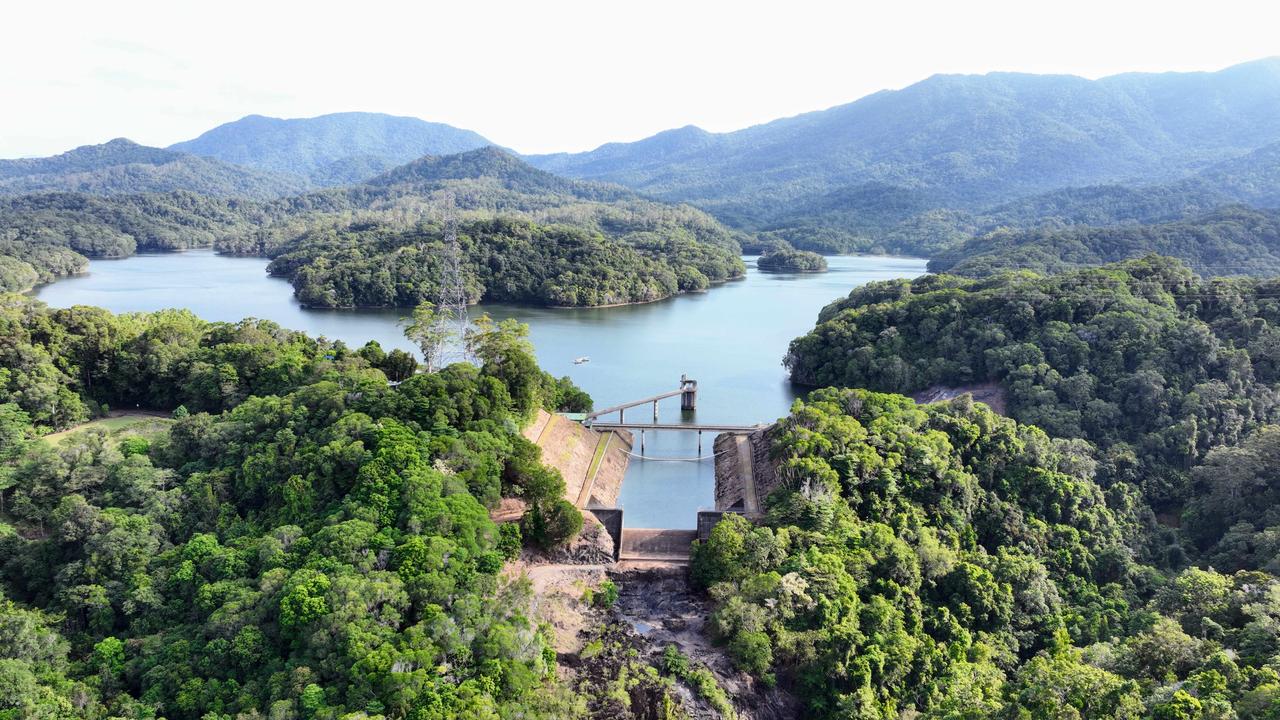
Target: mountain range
(123, 166)
(967, 140)
(914, 170)
(336, 149)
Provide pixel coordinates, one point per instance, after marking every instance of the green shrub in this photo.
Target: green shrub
(135, 445)
(552, 524)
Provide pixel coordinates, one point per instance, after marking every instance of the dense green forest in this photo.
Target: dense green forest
(941, 561)
(302, 541)
(1232, 241)
(1153, 365)
(120, 225)
(505, 260)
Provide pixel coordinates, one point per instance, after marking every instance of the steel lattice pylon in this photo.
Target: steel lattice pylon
(453, 301)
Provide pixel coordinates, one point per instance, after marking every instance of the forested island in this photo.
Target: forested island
(788, 259)
(506, 260)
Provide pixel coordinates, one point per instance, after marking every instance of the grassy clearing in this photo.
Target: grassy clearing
(118, 426)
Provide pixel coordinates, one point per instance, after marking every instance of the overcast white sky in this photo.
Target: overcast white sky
(550, 76)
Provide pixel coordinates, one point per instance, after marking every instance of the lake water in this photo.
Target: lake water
(731, 340)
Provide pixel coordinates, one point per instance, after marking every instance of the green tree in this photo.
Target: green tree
(433, 332)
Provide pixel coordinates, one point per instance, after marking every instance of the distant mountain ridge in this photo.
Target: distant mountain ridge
(122, 166)
(334, 149)
(958, 141)
(917, 170)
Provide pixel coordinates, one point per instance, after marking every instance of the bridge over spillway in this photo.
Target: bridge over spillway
(688, 394)
(690, 427)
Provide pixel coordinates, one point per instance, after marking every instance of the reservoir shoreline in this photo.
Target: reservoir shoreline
(731, 340)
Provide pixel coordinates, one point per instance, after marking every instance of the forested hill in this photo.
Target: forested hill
(484, 183)
(955, 142)
(122, 166)
(1231, 241)
(547, 240)
(1251, 179)
(1145, 360)
(492, 163)
(881, 216)
(298, 539)
(944, 563)
(528, 237)
(336, 149)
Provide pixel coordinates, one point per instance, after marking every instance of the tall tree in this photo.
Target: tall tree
(432, 333)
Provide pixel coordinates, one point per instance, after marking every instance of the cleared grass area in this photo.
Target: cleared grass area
(118, 426)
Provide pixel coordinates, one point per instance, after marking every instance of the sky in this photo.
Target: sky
(555, 76)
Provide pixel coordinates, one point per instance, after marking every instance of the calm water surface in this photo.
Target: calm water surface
(731, 340)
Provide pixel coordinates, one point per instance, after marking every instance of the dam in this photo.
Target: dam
(594, 455)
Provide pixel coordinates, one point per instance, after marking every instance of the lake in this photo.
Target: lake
(730, 339)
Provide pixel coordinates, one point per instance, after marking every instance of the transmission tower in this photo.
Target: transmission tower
(453, 300)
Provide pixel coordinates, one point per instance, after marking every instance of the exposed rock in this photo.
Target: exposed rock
(989, 393)
(660, 608)
(508, 510)
(592, 546)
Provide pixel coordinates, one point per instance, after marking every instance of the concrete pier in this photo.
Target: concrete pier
(688, 394)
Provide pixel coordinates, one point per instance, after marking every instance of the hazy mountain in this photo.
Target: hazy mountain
(1252, 179)
(122, 166)
(954, 141)
(335, 149)
(1229, 241)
